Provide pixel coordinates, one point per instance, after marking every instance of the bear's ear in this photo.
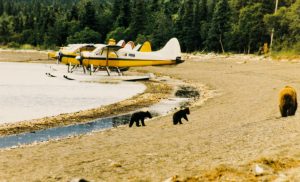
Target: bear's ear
(187, 110)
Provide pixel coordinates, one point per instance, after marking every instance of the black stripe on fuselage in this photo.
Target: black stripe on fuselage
(117, 59)
(68, 56)
(123, 59)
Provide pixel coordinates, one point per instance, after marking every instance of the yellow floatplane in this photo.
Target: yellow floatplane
(72, 49)
(119, 56)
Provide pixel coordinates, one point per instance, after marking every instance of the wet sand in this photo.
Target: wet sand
(226, 138)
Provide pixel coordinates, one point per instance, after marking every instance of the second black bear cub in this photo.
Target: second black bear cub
(180, 114)
(136, 117)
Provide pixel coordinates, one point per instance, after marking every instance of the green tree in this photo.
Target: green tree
(58, 32)
(139, 20)
(293, 16)
(116, 9)
(73, 13)
(1, 7)
(29, 21)
(178, 24)
(120, 33)
(188, 29)
(213, 25)
(162, 30)
(287, 28)
(203, 12)
(204, 25)
(73, 27)
(88, 16)
(85, 36)
(211, 7)
(8, 8)
(219, 26)
(251, 27)
(124, 16)
(5, 31)
(17, 24)
(155, 5)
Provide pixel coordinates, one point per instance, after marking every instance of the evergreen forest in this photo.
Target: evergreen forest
(239, 26)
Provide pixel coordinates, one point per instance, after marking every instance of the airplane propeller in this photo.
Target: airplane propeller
(59, 56)
(79, 58)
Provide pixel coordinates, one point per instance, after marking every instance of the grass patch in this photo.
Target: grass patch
(27, 46)
(286, 54)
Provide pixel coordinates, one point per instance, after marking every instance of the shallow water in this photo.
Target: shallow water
(162, 108)
(60, 132)
(26, 92)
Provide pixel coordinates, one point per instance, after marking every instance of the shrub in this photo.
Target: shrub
(13, 45)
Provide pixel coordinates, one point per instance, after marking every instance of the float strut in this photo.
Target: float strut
(84, 69)
(91, 69)
(73, 67)
(69, 65)
(119, 72)
(107, 70)
(96, 69)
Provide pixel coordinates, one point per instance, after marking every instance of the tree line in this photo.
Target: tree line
(200, 25)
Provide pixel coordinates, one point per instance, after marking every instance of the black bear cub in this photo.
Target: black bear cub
(136, 117)
(180, 114)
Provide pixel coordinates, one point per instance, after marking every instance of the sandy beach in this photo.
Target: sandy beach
(237, 135)
(28, 56)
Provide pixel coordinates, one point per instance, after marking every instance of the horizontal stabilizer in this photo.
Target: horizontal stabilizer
(137, 47)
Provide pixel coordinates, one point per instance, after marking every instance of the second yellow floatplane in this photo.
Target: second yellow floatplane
(121, 58)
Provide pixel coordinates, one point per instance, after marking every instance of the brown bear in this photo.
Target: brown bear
(288, 101)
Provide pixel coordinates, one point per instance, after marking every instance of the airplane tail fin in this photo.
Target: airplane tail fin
(171, 50)
(121, 43)
(130, 45)
(146, 47)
